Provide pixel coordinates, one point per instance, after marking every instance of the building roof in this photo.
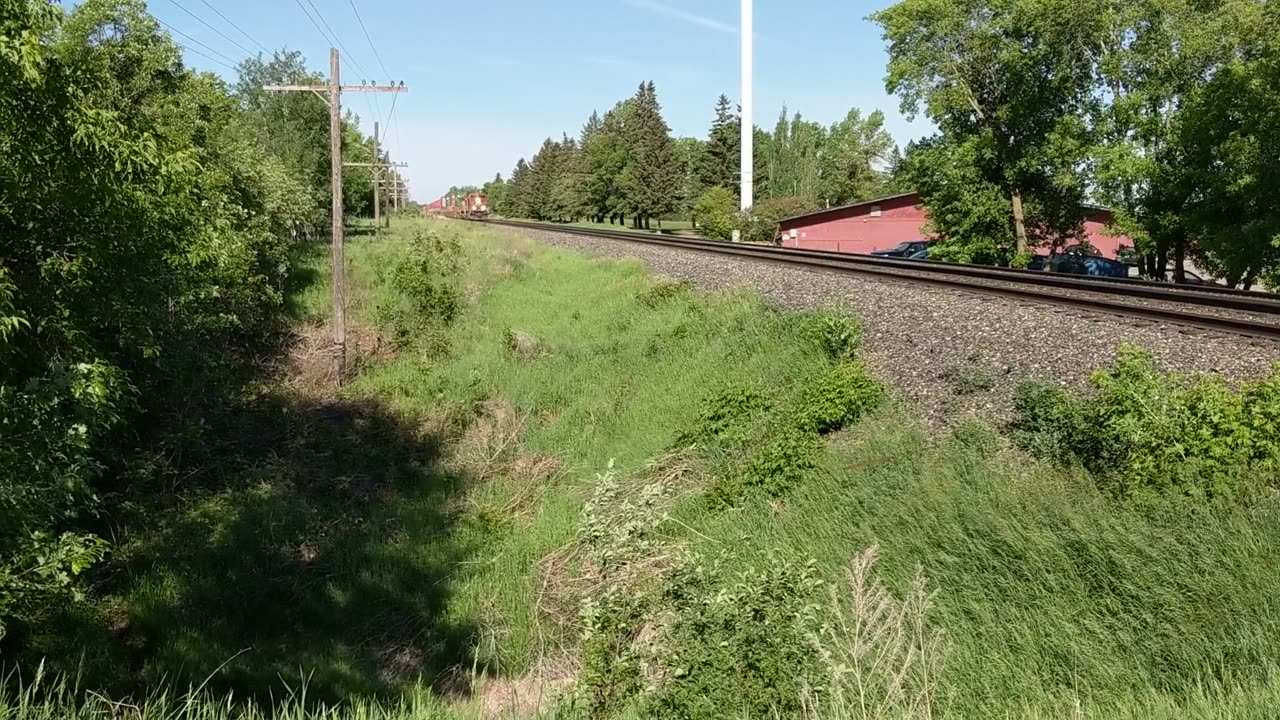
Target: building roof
(861, 203)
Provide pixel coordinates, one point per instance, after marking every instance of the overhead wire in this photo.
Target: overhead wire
(332, 38)
(229, 62)
(378, 56)
(237, 27)
(226, 37)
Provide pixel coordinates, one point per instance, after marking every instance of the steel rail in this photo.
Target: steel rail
(966, 277)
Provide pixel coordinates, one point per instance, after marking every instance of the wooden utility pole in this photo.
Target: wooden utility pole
(332, 92)
(377, 196)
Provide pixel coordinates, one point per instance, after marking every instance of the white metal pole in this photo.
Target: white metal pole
(748, 125)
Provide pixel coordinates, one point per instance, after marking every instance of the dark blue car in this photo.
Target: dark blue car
(1090, 265)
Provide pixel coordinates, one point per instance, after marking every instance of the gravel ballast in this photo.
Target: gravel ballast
(950, 352)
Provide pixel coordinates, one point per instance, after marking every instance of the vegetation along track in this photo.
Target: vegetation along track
(1255, 315)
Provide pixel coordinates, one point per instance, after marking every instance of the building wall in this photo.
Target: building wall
(857, 230)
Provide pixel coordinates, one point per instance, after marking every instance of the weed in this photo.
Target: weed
(975, 437)
(971, 377)
(726, 416)
(426, 291)
(838, 335)
(1150, 431)
(839, 397)
(783, 461)
(664, 291)
(881, 656)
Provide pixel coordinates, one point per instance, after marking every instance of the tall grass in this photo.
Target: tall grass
(1045, 598)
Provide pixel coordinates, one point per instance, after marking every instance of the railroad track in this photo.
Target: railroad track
(1239, 312)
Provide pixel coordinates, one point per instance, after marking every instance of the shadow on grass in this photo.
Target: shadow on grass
(315, 546)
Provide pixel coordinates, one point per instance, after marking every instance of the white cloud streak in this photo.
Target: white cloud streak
(683, 15)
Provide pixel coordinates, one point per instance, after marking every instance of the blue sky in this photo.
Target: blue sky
(489, 81)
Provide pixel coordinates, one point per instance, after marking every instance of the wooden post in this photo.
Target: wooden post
(339, 259)
(332, 93)
(377, 186)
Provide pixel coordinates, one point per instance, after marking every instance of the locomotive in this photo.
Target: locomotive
(456, 205)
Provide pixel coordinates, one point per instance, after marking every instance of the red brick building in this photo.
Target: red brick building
(884, 222)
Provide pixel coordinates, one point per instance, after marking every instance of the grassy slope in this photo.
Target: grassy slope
(1052, 596)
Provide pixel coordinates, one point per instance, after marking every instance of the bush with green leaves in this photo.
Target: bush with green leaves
(714, 213)
(759, 224)
(427, 289)
(836, 333)
(727, 416)
(145, 233)
(845, 393)
(1145, 430)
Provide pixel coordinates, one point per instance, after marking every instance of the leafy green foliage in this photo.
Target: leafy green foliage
(760, 223)
(715, 212)
(838, 398)
(777, 467)
(427, 288)
(836, 333)
(1149, 431)
(727, 416)
(145, 234)
(738, 641)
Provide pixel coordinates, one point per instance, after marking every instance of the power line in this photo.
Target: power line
(237, 27)
(246, 50)
(206, 47)
(366, 37)
(336, 40)
(206, 57)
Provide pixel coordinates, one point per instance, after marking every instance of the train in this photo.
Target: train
(457, 205)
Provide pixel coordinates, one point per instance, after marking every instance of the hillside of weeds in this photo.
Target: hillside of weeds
(560, 487)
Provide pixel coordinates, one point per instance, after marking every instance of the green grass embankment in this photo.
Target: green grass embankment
(424, 528)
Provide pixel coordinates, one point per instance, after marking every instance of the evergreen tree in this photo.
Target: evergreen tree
(721, 161)
(652, 177)
(604, 162)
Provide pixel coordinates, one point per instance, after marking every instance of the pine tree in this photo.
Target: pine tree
(722, 160)
(652, 179)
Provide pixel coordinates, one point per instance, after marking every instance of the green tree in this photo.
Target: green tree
(714, 213)
(855, 148)
(689, 155)
(605, 160)
(1014, 75)
(651, 180)
(144, 233)
(497, 190)
(722, 160)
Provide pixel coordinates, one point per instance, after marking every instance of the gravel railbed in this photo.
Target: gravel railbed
(1183, 307)
(951, 352)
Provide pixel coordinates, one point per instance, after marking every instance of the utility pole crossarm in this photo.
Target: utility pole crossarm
(377, 165)
(374, 88)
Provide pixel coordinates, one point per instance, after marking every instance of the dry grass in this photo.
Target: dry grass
(310, 367)
(884, 660)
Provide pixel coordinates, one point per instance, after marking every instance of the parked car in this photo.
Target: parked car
(1081, 264)
(903, 249)
(922, 254)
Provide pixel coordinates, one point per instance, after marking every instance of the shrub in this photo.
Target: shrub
(760, 223)
(837, 334)
(1151, 431)
(714, 213)
(839, 397)
(780, 464)
(427, 290)
(727, 415)
(664, 291)
(737, 646)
